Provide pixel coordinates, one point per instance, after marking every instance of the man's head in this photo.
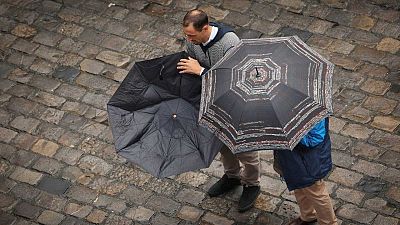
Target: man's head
(195, 26)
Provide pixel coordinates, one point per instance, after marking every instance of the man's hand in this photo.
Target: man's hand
(189, 66)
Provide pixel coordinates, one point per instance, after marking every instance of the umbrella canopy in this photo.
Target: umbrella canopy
(154, 119)
(266, 94)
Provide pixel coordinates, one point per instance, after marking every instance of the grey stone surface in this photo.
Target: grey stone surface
(66, 73)
(53, 185)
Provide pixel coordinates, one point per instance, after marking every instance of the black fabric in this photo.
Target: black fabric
(153, 117)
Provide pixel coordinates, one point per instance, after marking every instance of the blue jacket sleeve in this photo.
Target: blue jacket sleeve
(315, 136)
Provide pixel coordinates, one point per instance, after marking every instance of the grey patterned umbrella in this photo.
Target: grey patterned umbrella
(154, 119)
(266, 94)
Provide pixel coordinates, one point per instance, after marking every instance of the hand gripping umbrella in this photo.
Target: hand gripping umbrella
(266, 94)
(154, 119)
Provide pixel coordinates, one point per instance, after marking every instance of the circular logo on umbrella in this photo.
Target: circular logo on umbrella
(256, 75)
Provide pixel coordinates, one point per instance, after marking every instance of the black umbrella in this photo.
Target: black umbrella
(153, 117)
(266, 94)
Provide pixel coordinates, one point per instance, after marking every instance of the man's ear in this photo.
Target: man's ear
(206, 27)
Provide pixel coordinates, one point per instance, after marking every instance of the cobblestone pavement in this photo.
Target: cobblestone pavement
(62, 60)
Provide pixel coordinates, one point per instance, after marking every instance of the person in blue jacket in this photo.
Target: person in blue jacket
(303, 170)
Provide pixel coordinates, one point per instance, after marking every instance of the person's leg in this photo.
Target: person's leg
(230, 162)
(250, 179)
(307, 211)
(250, 175)
(231, 178)
(319, 198)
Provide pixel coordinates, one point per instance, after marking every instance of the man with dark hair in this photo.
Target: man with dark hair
(206, 44)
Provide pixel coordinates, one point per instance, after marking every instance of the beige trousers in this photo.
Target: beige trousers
(315, 203)
(250, 173)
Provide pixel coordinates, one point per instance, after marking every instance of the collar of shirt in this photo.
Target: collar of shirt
(214, 31)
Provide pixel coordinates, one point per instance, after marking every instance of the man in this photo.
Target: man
(207, 43)
(303, 170)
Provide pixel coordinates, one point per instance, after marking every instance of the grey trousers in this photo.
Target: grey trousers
(245, 166)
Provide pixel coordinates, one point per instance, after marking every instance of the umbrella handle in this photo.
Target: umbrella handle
(160, 76)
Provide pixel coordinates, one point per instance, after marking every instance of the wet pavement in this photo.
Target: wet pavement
(62, 60)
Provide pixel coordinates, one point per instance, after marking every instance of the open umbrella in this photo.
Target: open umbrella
(154, 119)
(266, 94)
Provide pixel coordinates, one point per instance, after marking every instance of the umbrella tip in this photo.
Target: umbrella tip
(174, 115)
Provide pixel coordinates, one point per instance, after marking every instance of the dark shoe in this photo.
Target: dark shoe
(249, 196)
(299, 221)
(222, 186)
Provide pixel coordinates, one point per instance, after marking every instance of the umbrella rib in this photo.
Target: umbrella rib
(193, 141)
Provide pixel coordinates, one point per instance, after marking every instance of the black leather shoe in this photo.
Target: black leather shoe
(222, 186)
(299, 221)
(248, 198)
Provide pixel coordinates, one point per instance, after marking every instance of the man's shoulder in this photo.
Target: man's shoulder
(230, 37)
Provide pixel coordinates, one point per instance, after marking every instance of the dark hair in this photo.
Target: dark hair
(196, 17)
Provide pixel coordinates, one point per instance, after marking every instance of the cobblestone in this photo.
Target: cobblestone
(27, 210)
(6, 135)
(380, 104)
(113, 58)
(389, 44)
(69, 91)
(25, 46)
(140, 214)
(50, 218)
(350, 195)
(358, 114)
(353, 212)
(92, 66)
(21, 90)
(357, 131)
(375, 87)
(48, 99)
(215, 219)
(24, 31)
(372, 169)
(25, 124)
(190, 213)
(50, 201)
(22, 158)
(25, 191)
(162, 204)
(94, 165)
(77, 210)
(379, 205)
(81, 193)
(96, 216)
(115, 43)
(385, 220)
(48, 165)
(190, 196)
(44, 147)
(385, 123)
(42, 66)
(47, 38)
(345, 177)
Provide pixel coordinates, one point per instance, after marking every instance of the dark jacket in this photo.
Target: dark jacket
(303, 166)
